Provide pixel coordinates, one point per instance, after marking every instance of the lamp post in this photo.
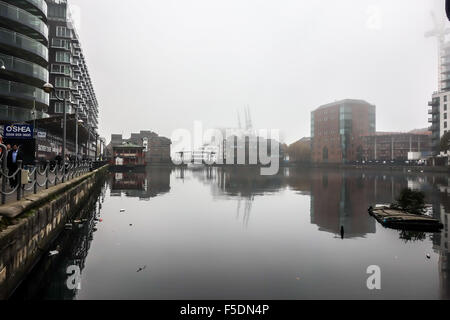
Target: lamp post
(77, 123)
(2, 65)
(96, 146)
(48, 88)
(33, 112)
(76, 133)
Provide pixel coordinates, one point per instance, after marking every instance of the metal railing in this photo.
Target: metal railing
(41, 175)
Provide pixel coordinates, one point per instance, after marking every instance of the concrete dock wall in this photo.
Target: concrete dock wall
(28, 227)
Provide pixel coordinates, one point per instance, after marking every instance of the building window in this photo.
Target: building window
(59, 108)
(63, 82)
(61, 94)
(445, 107)
(63, 32)
(445, 124)
(61, 69)
(62, 56)
(60, 43)
(56, 11)
(445, 116)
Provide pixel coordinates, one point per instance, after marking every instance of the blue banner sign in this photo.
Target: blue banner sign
(18, 131)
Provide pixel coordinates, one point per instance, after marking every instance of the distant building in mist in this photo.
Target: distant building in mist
(300, 151)
(397, 146)
(156, 149)
(338, 128)
(438, 113)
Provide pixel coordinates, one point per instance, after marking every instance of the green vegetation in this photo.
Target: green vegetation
(412, 236)
(445, 140)
(4, 223)
(411, 201)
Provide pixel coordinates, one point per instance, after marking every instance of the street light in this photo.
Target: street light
(49, 88)
(77, 122)
(2, 65)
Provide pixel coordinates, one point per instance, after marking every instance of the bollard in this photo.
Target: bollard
(18, 180)
(47, 169)
(36, 163)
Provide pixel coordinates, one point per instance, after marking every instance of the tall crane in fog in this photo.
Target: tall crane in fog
(439, 31)
(239, 120)
(248, 119)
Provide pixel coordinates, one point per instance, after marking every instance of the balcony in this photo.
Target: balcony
(22, 94)
(25, 71)
(31, 6)
(20, 45)
(434, 103)
(24, 22)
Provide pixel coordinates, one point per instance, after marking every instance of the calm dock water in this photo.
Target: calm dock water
(233, 234)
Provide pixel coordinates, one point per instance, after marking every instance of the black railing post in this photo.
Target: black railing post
(4, 182)
(35, 176)
(63, 171)
(4, 170)
(18, 179)
(47, 169)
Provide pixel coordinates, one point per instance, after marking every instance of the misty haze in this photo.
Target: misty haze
(211, 152)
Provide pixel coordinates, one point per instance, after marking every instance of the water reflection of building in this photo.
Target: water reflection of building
(340, 200)
(441, 241)
(49, 278)
(142, 185)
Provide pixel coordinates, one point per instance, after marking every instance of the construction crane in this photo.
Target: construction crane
(447, 8)
(439, 31)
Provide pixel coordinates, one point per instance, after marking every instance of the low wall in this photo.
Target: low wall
(28, 227)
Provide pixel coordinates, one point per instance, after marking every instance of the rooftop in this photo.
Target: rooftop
(345, 101)
(127, 145)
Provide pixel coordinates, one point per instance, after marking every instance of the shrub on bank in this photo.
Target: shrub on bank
(411, 201)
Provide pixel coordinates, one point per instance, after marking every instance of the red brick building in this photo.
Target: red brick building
(396, 146)
(338, 128)
(128, 154)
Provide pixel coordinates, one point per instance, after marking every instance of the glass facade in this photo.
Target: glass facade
(345, 129)
(68, 69)
(17, 42)
(24, 20)
(24, 68)
(24, 56)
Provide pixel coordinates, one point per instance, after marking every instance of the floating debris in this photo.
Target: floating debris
(53, 253)
(428, 256)
(141, 269)
(397, 219)
(122, 210)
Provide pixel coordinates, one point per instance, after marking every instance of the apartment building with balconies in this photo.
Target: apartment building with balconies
(23, 60)
(69, 72)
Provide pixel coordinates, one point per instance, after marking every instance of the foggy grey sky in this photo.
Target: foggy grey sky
(162, 64)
